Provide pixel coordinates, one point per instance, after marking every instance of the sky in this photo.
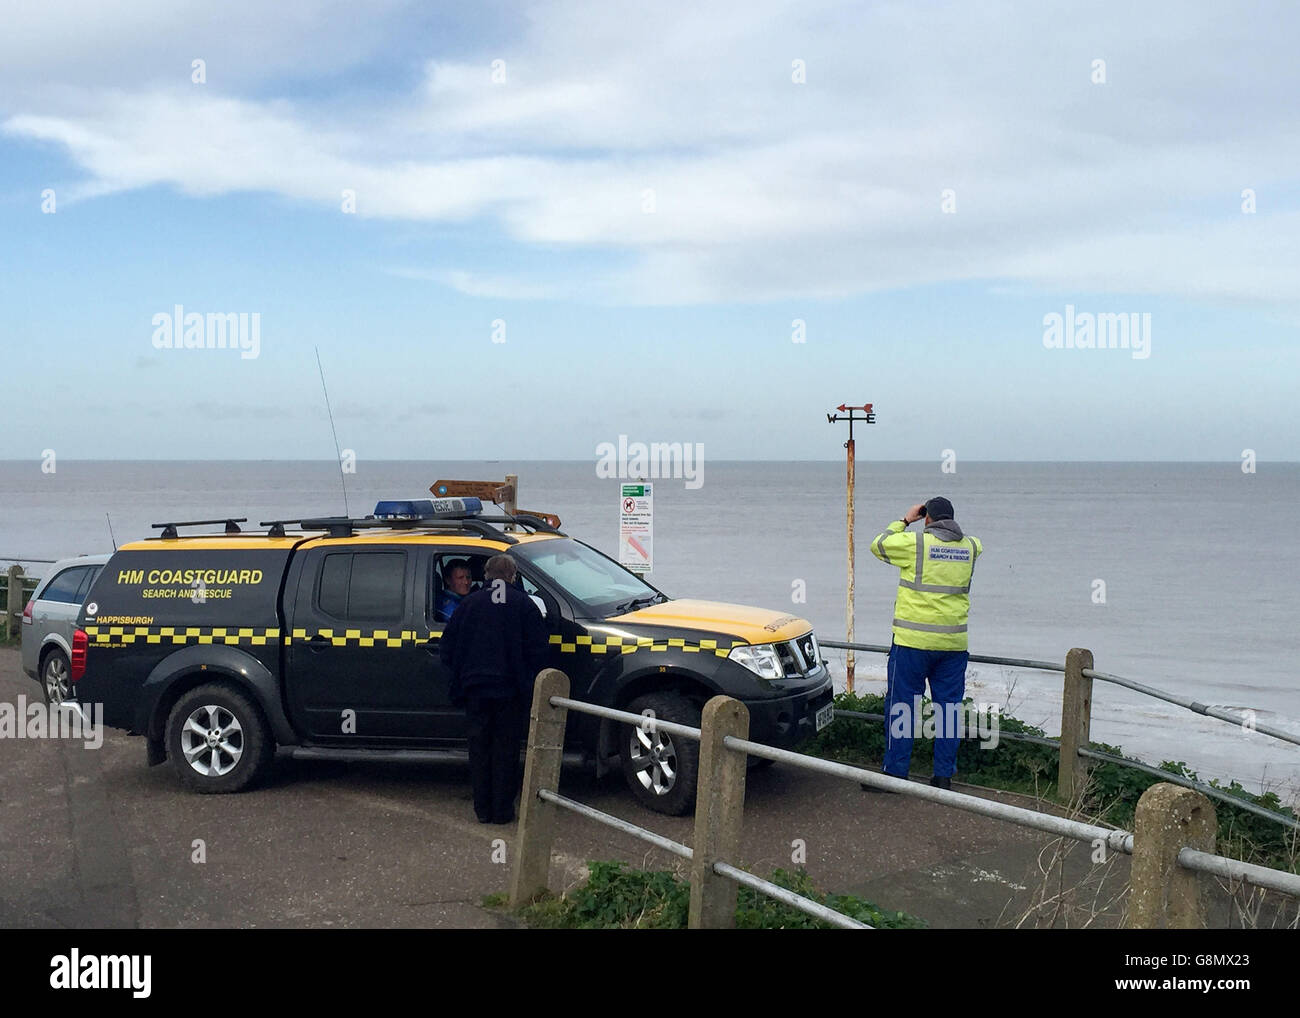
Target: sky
(518, 230)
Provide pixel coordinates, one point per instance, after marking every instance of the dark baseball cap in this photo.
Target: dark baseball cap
(939, 508)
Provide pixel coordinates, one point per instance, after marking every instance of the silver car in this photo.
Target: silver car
(50, 619)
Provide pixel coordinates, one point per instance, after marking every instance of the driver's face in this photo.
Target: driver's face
(459, 580)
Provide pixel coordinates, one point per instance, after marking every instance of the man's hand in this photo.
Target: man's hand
(917, 512)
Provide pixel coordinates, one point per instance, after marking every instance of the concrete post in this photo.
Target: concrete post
(1164, 895)
(719, 812)
(13, 601)
(1076, 725)
(541, 770)
(512, 497)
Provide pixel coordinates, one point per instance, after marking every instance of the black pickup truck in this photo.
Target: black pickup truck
(219, 648)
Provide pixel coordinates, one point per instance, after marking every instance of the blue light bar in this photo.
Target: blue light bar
(420, 508)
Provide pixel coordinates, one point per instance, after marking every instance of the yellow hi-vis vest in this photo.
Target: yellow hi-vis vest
(933, 586)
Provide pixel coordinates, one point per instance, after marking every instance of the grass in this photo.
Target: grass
(618, 897)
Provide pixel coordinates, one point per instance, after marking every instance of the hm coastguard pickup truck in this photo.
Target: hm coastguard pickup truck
(219, 648)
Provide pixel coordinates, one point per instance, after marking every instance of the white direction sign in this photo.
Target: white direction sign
(636, 527)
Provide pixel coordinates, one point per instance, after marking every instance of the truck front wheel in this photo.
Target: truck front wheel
(661, 769)
(217, 740)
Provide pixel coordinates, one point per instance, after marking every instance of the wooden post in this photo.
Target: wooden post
(541, 770)
(13, 600)
(1164, 895)
(1076, 725)
(848, 671)
(719, 812)
(512, 497)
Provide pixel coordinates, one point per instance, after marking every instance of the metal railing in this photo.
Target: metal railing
(1076, 721)
(1175, 779)
(547, 697)
(1159, 863)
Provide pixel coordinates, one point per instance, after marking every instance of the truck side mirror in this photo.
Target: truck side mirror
(541, 605)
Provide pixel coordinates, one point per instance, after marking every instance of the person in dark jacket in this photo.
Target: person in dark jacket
(494, 646)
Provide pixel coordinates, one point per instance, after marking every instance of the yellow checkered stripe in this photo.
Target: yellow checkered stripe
(631, 644)
(254, 637)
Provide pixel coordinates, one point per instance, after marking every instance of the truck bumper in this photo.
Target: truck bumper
(790, 720)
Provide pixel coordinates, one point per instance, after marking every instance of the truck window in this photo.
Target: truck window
(369, 585)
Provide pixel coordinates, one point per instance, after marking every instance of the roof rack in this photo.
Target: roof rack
(169, 529)
(346, 526)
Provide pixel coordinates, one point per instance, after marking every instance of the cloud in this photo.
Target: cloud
(674, 140)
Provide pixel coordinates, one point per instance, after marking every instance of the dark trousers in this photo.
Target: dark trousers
(495, 728)
(908, 669)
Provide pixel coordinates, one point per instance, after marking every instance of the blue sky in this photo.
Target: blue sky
(648, 201)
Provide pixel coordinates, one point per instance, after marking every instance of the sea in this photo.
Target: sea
(1172, 574)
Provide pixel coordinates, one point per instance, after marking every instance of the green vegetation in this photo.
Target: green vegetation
(1031, 769)
(618, 897)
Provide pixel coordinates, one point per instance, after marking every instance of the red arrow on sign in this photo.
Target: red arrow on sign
(865, 408)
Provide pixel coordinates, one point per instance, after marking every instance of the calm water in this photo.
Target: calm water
(1200, 589)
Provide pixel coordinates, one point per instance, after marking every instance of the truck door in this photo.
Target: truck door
(357, 646)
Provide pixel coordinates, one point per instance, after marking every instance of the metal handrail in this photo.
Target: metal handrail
(1114, 838)
(792, 898)
(1120, 840)
(1119, 680)
(1200, 786)
(1235, 869)
(651, 724)
(1020, 662)
(668, 845)
(1190, 704)
(1174, 779)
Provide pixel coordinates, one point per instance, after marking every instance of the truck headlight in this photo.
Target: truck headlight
(761, 659)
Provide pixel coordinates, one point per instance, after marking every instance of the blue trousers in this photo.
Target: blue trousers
(908, 670)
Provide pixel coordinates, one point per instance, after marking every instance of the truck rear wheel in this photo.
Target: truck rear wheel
(661, 769)
(217, 740)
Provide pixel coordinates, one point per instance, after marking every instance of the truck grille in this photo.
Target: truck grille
(799, 656)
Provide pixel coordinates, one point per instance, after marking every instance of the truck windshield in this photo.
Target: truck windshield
(598, 583)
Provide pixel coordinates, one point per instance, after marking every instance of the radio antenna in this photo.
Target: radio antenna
(110, 531)
(337, 451)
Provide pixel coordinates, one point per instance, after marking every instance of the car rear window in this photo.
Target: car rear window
(66, 585)
(91, 574)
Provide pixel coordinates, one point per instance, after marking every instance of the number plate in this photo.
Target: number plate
(825, 716)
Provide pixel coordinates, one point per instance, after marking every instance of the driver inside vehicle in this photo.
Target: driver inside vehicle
(457, 581)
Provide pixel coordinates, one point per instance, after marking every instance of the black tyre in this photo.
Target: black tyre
(56, 682)
(662, 769)
(217, 740)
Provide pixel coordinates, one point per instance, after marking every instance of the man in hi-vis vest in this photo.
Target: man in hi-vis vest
(929, 633)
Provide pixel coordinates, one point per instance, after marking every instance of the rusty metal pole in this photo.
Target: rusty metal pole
(849, 445)
(868, 417)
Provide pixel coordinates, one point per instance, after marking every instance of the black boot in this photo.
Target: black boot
(938, 782)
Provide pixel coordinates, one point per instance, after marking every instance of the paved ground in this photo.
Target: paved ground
(94, 838)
